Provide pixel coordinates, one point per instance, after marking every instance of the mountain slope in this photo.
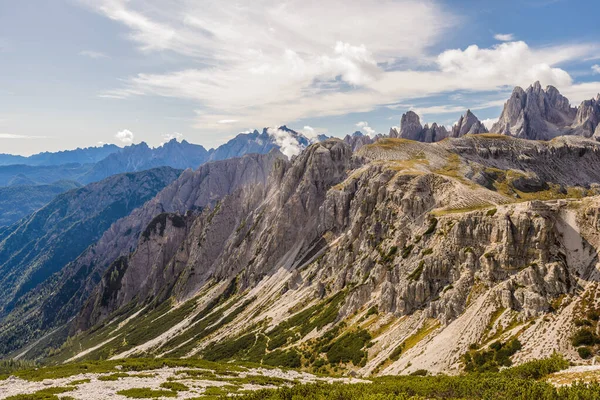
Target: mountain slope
(59, 298)
(19, 201)
(403, 256)
(40, 245)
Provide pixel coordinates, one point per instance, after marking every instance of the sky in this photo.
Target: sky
(78, 73)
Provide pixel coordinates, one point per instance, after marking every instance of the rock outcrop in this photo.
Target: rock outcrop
(468, 124)
(411, 129)
(358, 140)
(541, 114)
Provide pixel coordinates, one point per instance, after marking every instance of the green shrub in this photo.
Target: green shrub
(584, 352)
(348, 348)
(491, 360)
(584, 337)
(407, 250)
(432, 225)
(491, 212)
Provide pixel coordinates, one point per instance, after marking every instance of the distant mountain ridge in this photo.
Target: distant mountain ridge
(94, 164)
(79, 156)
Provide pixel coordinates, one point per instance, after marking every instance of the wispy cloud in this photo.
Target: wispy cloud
(14, 136)
(504, 37)
(92, 54)
(596, 69)
(250, 64)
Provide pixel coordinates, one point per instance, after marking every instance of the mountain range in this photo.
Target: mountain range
(424, 249)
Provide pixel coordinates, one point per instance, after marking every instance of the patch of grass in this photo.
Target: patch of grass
(146, 393)
(113, 377)
(174, 386)
(428, 327)
(126, 365)
(79, 382)
(407, 250)
(426, 252)
(416, 274)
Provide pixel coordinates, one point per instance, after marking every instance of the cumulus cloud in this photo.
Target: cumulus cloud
(287, 143)
(92, 54)
(504, 37)
(364, 126)
(596, 69)
(310, 132)
(125, 136)
(489, 122)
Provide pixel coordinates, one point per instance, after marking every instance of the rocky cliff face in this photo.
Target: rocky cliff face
(468, 124)
(426, 250)
(541, 114)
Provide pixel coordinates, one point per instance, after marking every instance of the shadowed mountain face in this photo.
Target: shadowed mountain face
(40, 245)
(20, 200)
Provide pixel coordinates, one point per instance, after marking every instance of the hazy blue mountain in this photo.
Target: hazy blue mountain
(11, 175)
(139, 157)
(79, 156)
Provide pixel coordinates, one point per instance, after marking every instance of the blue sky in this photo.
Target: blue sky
(75, 73)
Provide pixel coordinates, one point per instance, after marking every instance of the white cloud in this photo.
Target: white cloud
(288, 144)
(489, 122)
(125, 136)
(15, 136)
(364, 126)
(504, 37)
(92, 54)
(596, 69)
(309, 132)
(270, 62)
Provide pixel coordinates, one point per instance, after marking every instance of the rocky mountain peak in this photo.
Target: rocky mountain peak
(468, 124)
(410, 126)
(536, 114)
